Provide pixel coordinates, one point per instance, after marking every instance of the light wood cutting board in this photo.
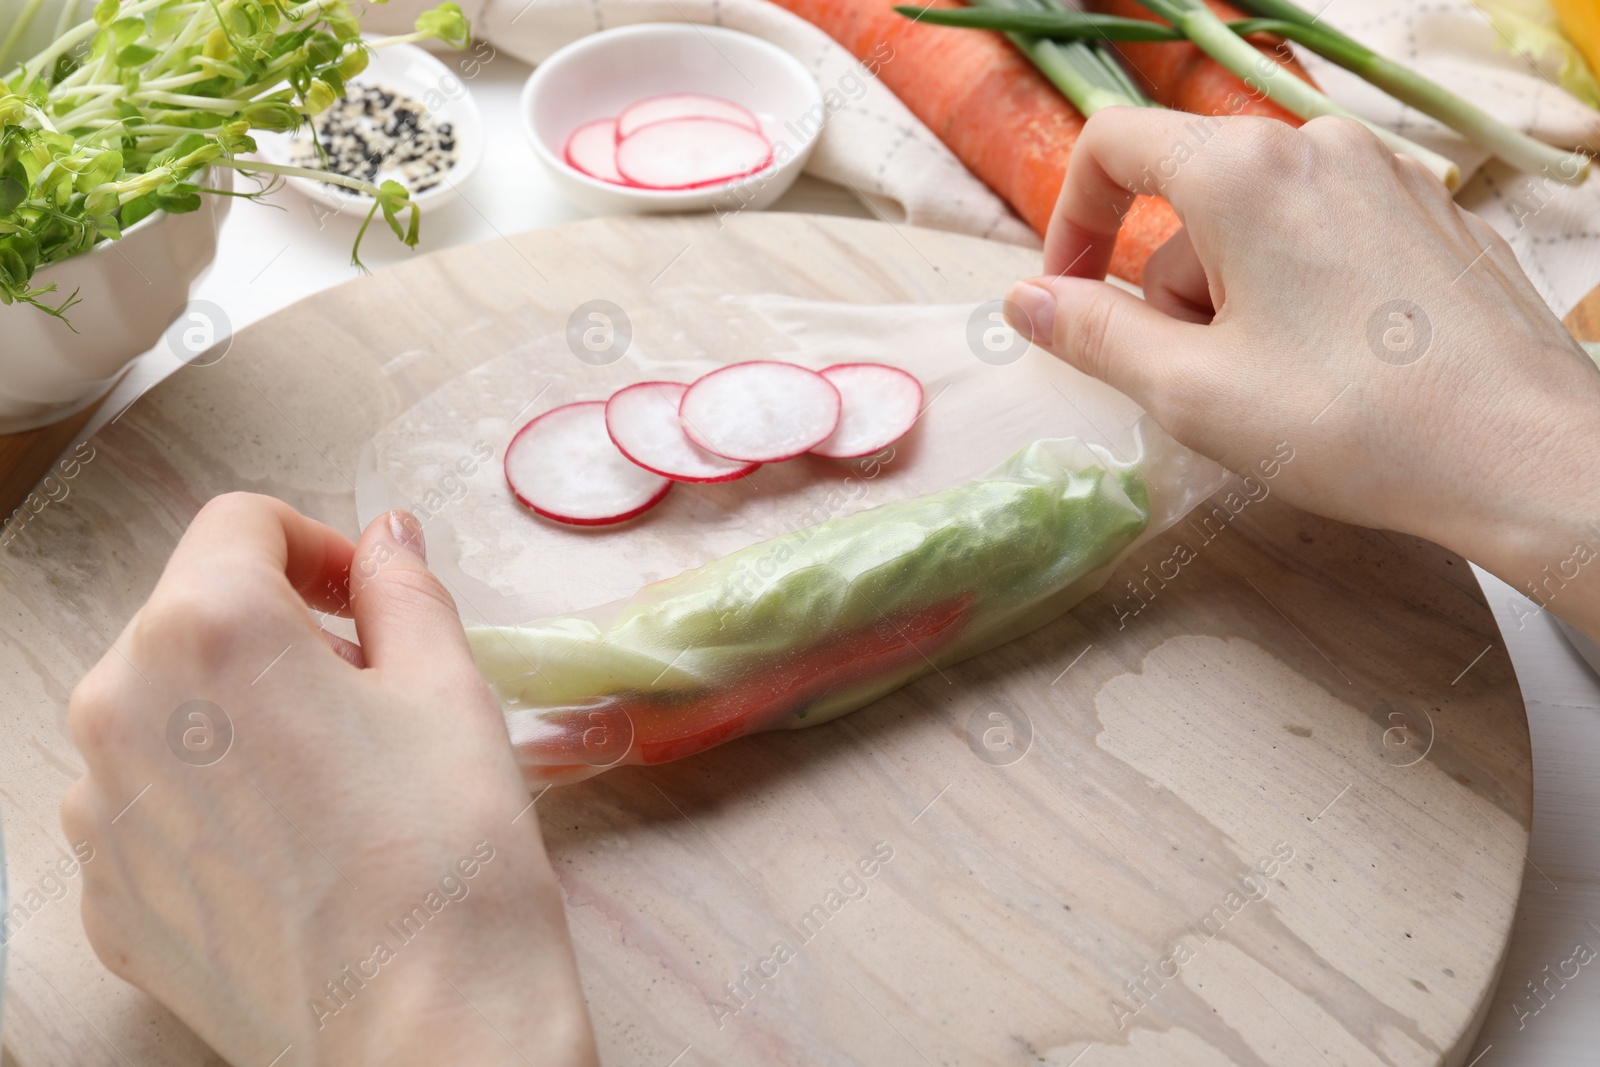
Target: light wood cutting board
(1330, 703)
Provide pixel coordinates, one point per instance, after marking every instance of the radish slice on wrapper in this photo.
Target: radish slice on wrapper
(690, 153)
(881, 404)
(592, 148)
(760, 412)
(683, 106)
(564, 466)
(643, 422)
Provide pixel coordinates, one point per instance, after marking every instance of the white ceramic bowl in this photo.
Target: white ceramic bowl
(599, 75)
(129, 291)
(412, 71)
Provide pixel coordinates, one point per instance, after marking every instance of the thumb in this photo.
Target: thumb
(404, 616)
(1104, 331)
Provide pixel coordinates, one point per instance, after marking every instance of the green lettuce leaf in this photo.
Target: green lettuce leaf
(1020, 545)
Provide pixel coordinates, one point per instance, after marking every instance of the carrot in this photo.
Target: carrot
(989, 105)
(1179, 75)
(651, 728)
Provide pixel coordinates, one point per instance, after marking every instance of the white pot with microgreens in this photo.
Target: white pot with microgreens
(115, 132)
(124, 295)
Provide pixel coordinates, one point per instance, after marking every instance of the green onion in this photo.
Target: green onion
(1034, 27)
(1405, 85)
(1082, 71)
(1516, 148)
(1056, 25)
(1233, 52)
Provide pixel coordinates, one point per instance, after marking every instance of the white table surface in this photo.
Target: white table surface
(273, 254)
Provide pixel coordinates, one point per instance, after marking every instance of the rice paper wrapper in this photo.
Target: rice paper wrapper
(807, 590)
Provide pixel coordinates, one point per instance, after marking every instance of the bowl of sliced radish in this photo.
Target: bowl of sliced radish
(672, 117)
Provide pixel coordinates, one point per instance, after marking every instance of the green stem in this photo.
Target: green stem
(140, 131)
(1283, 10)
(176, 81)
(64, 21)
(1071, 25)
(297, 17)
(271, 75)
(1056, 25)
(389, 208)
(222, 106)
(1261, 74)
(18, 28)
(1429, 97)
(1115, 77)
(1068, 67)
(82, 32)
(332, 178)
(1092, 58)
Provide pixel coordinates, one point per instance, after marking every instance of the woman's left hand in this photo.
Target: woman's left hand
(313, 852)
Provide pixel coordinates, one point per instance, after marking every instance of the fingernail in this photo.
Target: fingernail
(407, 532)
(1031, 310)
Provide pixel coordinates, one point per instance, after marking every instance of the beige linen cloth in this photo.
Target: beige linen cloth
(874, 146)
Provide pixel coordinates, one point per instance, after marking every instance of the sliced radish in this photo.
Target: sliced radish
(564, 466)
(592, 148)
(683, 106)
(880, 406)
(643, 422)
(689, 153)
(760, 412)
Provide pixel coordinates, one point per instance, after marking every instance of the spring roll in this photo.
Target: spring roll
(805, 627)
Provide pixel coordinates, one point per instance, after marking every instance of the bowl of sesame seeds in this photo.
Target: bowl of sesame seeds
(407, 117)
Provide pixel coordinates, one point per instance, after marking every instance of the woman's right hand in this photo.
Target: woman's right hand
(1328, 294)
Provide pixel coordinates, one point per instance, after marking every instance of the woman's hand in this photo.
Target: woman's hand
(1325, 293)
(307, 849)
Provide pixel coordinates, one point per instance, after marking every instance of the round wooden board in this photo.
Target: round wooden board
(1325, 704)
